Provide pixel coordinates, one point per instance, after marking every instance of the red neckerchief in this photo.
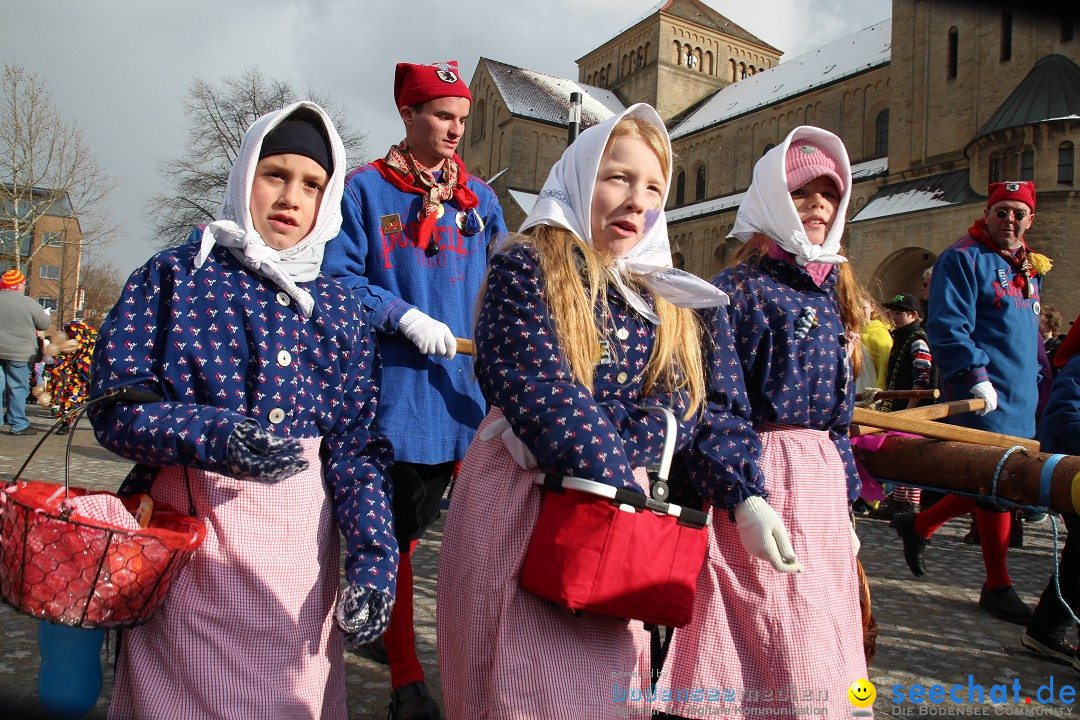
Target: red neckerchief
(401, 170)
(1018, 262)
(1069, 346)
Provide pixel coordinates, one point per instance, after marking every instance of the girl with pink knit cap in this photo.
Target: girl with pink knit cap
(777, 627)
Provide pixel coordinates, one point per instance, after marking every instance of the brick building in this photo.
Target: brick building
(49, 254)
(933, 103)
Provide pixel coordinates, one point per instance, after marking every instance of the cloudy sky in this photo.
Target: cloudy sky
(122, 67)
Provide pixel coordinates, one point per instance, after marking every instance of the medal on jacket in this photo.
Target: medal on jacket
(805, 322)
(469, 222)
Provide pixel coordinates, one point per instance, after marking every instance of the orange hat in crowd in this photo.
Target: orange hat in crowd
(11, 280)
(415, 84)
(1022, 190)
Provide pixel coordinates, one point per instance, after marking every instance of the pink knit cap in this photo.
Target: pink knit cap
(805, 161)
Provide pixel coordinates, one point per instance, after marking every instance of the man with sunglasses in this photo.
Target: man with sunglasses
(983, 326)
(415, 233)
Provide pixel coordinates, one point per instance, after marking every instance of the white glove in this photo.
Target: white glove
(518, 450)
(986, 391)
(764, 536)
(429, 335)
(856, 544)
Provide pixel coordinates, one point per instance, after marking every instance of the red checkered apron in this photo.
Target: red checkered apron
(504, 652)
(767, 641)
(247, 628)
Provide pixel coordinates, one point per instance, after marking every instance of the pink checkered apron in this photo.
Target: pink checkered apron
(504, 652)
(768, 641)
(247, 628)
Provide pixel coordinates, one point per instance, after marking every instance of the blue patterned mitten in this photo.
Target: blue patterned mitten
(254, 454)
(363, 614)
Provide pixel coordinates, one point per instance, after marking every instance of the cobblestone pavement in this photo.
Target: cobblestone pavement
(932, 631)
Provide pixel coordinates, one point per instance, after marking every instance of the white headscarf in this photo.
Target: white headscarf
(233, 228)
(566, 201)
(769, 210)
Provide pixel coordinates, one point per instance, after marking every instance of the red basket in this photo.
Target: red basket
(82, 573)
(590, 552)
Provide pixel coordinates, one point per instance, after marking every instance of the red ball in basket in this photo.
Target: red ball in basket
(89, 559)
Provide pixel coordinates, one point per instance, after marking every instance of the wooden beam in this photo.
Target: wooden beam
(941, 431)
(465, 346)
(927, 412)
(968, 468)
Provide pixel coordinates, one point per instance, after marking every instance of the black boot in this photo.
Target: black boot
(414, 702)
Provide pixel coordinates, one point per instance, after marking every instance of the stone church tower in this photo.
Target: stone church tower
(676, 56)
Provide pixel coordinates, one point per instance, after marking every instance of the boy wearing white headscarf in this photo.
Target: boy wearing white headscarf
(780, 625)
(583, 325)
(266, 376)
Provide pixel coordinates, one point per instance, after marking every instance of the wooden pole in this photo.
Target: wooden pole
(927, 412)
(465, 346)
(873, 394)
(968, 468)
(941, 431)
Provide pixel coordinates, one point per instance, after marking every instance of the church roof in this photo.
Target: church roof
(862, 51)
(698, 12)
(927, 193)
(1051, 91)
(546, 98)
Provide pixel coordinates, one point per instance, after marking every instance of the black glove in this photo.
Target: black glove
(254, 454)
(363, 614)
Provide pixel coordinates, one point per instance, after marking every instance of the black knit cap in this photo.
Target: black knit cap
(301, 133)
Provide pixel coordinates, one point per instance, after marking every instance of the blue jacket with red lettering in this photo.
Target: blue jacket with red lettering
(429, 407)
(981, 327)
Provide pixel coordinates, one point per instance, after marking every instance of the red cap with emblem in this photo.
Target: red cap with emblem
(1021, 190)
(415, 84)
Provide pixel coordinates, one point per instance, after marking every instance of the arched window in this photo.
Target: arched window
(768, 147)
(679, 57)
(954, 52)
(1006, 36)
(720, 253)
(881, 133)
(699, 184)
(678, 260)
(1027, 164)
(742, 70)
(734, 71)
(680, 189)
(995, 168)
(1065, 163)
(477, 121)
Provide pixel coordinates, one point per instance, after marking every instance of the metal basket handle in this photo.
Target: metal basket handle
(127, 394)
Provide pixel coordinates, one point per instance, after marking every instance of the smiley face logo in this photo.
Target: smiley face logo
(862, 693)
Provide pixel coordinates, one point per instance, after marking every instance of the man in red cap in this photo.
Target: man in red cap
(413, 248)
(983, 327)
(20, 319)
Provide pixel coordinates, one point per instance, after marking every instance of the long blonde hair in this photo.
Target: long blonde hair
(576, 280)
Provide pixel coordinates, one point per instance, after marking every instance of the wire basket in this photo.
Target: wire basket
(74, 571)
